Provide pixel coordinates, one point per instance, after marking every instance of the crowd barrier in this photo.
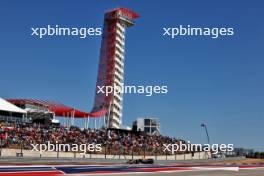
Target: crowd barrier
(29, 153)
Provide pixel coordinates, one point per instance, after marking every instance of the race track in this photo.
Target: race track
(205, 169)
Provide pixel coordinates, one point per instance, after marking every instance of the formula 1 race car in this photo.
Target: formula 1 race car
(140, 161)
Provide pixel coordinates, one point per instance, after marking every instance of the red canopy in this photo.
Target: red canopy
(59, 109)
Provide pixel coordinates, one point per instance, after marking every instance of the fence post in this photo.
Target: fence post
(119, 152)
(1, 145)
(58, 151)
(132, 151)
(21, 151)
(144, 151)
(156, 153)
(105, 151)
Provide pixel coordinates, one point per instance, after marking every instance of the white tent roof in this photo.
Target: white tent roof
(6, 106)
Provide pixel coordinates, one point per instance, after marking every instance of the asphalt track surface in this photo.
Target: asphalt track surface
(212, 173)
(192, 168)
(166, 170)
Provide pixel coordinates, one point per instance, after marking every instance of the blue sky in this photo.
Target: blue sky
(219, 82)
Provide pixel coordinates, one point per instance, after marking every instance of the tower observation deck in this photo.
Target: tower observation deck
(111, 64)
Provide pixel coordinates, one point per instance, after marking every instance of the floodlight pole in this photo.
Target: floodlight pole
(206, 131)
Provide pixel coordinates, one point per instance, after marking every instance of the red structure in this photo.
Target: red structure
(58, 109)
(111, 64)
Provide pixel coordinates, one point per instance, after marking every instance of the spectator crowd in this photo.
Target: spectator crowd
(113, 141)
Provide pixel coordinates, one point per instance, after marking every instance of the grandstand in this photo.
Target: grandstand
(45, 112)
(36, 111)
(28, 121)
(11, 113)
(113, 141)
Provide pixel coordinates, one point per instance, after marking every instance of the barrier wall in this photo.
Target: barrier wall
(30, 153)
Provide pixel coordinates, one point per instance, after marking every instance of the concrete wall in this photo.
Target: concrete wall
(29, 153)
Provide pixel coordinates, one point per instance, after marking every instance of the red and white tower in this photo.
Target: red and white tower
(111, 64)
